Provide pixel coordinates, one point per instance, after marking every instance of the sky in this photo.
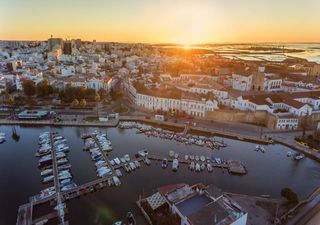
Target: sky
(162, 21)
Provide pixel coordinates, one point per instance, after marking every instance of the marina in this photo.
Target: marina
(89, 183)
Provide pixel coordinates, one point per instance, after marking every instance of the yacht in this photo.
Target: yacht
(192, 165)
(126, 157)
(299, 156)
(117, 161)
(46, 172)
(218, 160)
(202, 166)
(116, 180)
(198, 167)
(123, 160)
(175, 165)
(62, 161)
(47, 179)
(137, 164)
(209, 167)
(131, 164)
(118, 172)
(164, 163)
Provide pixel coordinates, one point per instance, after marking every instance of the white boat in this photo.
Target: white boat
(202, 166)
(186, 157)
(126, 157)
(289, 154)
(46, 172)
(171, 154)
(62, 161)
(48, 179)
(191, 165)
(299, 156)
(123, 160)
(117, 161)
(164, 163)
(202, 158)
(198, 167)
(116, 180)
(118, 173)
(131, 164)
(197, 158)
(42, 222)
(175, 165)
(147, 161)
(209, 167)
(218, 160)
(138, 165)
(176, 155)
(191, 157)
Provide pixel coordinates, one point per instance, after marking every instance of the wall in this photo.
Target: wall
(258, 117)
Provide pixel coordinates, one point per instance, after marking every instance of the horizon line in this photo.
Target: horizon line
(172, 43)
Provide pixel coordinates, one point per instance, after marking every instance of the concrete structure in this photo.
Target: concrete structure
(193, 205)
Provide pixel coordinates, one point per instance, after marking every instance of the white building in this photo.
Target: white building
(242, 82)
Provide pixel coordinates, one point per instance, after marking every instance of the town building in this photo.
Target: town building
(194, 205)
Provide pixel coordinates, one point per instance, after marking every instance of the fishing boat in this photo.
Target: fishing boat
(164, 163)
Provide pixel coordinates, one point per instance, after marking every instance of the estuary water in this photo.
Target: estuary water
(20, 178)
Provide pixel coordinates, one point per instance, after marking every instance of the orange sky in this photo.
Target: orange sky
(180, 21)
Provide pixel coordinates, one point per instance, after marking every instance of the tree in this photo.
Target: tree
(304, 125)
(75, 102)
(290, 195)
(44, 89)
(97, 97)
(83, 102)
(29, 87)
